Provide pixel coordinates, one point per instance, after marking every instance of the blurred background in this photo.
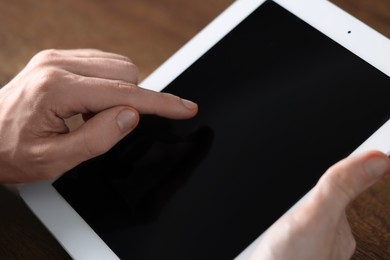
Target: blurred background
(148, 32)
(145, 30)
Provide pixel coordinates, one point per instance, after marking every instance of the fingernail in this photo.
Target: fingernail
(375, 167)
(189, 104)
(125, 120)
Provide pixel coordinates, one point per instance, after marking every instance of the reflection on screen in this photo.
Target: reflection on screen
(278, 104)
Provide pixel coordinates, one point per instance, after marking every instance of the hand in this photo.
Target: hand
(317, 227)
(35, 142)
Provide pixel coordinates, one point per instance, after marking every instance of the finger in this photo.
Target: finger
(100, 68)
(92, 95)
(347, 179)
(95, 53)
(85, 53)
(93, 138)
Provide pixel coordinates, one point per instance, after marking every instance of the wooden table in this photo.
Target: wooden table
(148, 32)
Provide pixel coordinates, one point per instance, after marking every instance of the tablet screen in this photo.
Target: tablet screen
(279, 102)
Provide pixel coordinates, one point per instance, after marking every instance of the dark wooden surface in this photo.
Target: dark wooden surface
(148, 32)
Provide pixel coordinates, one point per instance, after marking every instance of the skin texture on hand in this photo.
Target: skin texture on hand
(35, 142)
(316, 227)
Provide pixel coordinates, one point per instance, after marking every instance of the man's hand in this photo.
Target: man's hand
(35, 142)
(317, 227)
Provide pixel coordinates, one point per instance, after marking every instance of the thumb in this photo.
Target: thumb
(350, 177)
(93, 138)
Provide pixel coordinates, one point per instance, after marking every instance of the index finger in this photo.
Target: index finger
(86, 94)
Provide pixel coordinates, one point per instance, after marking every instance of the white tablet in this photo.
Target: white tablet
(285, 89)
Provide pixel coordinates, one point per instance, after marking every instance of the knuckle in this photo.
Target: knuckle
(42, 165)
(133, 71)
(170, 98)
(93, 150)
(91, 147)
(173, 97)
(336, 181)
(160, 103)
(46, 57)
(49, 77)
(129, 90)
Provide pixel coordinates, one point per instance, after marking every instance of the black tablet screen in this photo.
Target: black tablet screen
(279, 103)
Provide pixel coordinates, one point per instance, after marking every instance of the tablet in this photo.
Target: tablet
(285, 89)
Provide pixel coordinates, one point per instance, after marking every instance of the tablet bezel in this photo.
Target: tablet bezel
(74, 234)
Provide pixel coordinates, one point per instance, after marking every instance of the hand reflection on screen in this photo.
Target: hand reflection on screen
(158, 163)
(130, 184)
